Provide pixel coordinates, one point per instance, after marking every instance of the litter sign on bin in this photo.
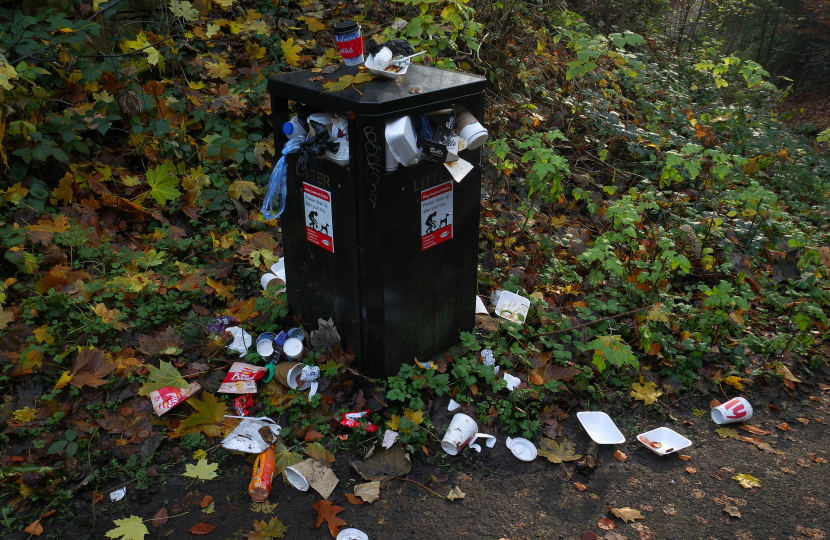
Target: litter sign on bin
(318, 222)
(436, 215)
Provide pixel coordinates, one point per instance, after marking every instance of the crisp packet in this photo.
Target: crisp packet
(167, 397)
(241, 379)
(350, 420)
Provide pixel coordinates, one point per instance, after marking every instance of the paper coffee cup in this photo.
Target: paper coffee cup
(312, 473)
(461, 433)
(349, 40)
(470, 129)
(735, 410)
(283, 373)
(268, 280)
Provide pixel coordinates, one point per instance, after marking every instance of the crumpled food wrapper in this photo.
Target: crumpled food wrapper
(241, 379)
(167, 397)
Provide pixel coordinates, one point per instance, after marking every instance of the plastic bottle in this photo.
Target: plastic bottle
(294, 128)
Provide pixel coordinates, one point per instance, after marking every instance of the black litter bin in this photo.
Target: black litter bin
(369, 256)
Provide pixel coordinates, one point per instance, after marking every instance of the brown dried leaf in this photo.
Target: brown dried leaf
(621, 457)
(327, 511)
(159, 519)
(691, 470)
(354, 499)
(580, 486)
(201, 529)
(606, 524)
(627, 514)
(206, 500)
(684, 457)
(783, 426)
(755, 430)
(803, 421)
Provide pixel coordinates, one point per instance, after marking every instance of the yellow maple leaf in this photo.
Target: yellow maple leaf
(6, 317)
(224, 3)
(291, 52)
(34, 358)
(735, 382)
(212, 30)
(255, 49)
(218, 70)
(64, 380)
(645, 391)
(395, 423)
(14, 194)
(64, 193)
(314, 24)
(222, 291)
(25, 415)
(43, 334)
(109, 316)
(244, 190)
(416, 416)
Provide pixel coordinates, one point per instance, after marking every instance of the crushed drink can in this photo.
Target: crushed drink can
(263, 474)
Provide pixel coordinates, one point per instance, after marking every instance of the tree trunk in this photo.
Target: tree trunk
(763, 35)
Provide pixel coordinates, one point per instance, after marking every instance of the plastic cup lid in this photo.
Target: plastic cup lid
(523, 449)
(293, 347)
(345, 27)
(475, 135)
(352, 534)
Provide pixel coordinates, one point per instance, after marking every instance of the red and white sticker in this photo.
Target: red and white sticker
(436, 215)
(318, 222)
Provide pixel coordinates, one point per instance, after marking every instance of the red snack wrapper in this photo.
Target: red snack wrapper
(264, 467)
(350, 420)
(167, 397)
(243, 403)
(241, 379)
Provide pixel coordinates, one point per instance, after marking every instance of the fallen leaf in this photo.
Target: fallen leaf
(206, 500)
(264, 507)
(369, 491)
(354, 499)
(684, 457)
(130, 528)
(316, 79)
(734, 382)
(728, 432)
(627, 514)
(691, 470)
(319, 452)
(803, 421)
(823, 387)
(747, 481)
(455, 494)
(784, 372)
(266, 531)
(159, 519)
(783, 426)
(621, 457)
(327, 511)
(580, 486)
(614, 536)
(201, 471)
(588, 535)
(35, 528)
(284, 458)
(732, 511)
(159, 377)
(646, 392)
(557, 453)
(817, 458)
(90, 368)
(606, 524)
(384, 464)
(755, 430)
(201, 529)
(536, 379)
(347, 81)
(313, 436)
(802, 463)
(714, 403)
(208, 418)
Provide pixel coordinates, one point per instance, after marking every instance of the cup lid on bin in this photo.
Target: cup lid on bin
(345, 27)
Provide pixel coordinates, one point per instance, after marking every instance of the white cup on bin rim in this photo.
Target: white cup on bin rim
(735, 410)
(463, 432)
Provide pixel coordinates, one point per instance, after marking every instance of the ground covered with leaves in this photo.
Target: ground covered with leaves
(669, 229)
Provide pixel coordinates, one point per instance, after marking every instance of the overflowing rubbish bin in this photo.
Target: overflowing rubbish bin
(383, 237)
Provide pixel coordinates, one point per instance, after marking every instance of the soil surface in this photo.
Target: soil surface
(510, 499)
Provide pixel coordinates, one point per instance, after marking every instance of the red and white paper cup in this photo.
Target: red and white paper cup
(463, 432)
(735, 410)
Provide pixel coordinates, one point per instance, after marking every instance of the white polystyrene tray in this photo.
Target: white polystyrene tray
(370, 63)
(400, 136)
(600, 427)
(670, 441)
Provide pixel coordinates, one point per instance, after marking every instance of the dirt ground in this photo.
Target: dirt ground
(510, 499)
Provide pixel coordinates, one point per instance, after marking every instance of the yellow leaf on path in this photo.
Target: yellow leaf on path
(787, 374)
(627, 514)
(394, 423)
(291, 52)
(64, 380)
(199, 454)
(645, 392)
(255, 49)
(44, 335)
(728, 432)
(202, 470)
(218, 70)
(130, 528)
(747, 481)
(208, 418)
(314, 25)
(558, 453)
(25, 415)
(244, 190)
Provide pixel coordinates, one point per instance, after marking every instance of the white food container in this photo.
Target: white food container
(600, 427)
(668, 440)
(400, 136)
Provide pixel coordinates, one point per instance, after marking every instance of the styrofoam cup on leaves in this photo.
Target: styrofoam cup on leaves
(735, 410)
(463, 432)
